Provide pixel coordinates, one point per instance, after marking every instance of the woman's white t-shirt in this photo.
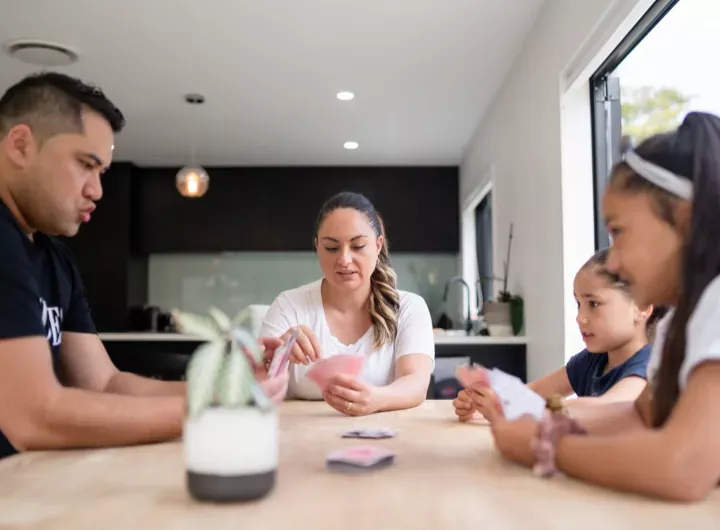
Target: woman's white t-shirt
(303, 306)
(702, 336)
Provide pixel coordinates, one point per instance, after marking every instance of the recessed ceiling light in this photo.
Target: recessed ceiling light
(351, 145)
(43, 53)
(345, 96)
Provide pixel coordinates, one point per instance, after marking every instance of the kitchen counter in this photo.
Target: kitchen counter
(446, 475)
(165, 355)
(173, 337)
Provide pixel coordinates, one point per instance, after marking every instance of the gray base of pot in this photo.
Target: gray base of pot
(219, 488)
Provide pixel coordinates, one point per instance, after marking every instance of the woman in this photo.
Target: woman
(356, 309)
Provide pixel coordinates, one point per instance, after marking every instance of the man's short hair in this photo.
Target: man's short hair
(51, 103)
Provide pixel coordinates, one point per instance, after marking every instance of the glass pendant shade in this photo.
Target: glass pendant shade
(192, 182)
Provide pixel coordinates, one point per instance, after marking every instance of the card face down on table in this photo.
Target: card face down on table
(324, 370)
(515, 396)
(377, 433)
(359, 459)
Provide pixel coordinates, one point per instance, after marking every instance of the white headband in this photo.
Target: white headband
(661, 177)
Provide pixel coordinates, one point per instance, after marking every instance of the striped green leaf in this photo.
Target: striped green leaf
(236, 380)
(202, 373)
(222, 321)
(196, 325)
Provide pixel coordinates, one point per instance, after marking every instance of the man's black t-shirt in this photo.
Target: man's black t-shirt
(41, 293)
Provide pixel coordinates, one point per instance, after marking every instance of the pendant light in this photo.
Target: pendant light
(192, 181)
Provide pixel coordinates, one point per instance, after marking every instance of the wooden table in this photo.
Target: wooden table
(446, 475)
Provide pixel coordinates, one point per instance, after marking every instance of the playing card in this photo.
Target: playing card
(359, 458)
(379, 433)
(282, 356)
(471, 375)
(515, 397)
(322, 371)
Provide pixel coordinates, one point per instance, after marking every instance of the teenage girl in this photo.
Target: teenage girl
(613, 366)
(662, 208)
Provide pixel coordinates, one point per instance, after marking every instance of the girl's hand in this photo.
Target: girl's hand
(464, 408)
(350, 396)
(486, 402)
(276, 387)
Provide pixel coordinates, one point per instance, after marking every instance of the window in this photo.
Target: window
(484, 246)
(477, 244)
(663, 69)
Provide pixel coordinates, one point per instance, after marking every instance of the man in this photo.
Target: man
(58, 387)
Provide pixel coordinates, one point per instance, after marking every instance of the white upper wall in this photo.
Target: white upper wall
(536, 137)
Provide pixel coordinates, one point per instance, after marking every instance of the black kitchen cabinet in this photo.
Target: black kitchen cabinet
(274, 209)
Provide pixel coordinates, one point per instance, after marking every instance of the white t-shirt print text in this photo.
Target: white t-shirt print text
(52, 318)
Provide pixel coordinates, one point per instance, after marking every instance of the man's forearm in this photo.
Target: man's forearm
(75, 418)
(135, 385)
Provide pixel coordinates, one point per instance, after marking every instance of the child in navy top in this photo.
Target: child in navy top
(614, 364)
(662, 208)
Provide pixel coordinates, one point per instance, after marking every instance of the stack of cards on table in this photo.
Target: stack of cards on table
(359, 459)
(324, 370)
(516, 398)
(379, 433)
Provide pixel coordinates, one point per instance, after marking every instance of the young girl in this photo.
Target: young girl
(613, 366)
(662, 208)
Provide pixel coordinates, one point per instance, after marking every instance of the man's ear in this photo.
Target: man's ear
(20, 145)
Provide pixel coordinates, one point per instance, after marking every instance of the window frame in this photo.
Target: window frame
(605, 108)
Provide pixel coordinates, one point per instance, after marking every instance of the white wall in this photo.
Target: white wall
(536, 137)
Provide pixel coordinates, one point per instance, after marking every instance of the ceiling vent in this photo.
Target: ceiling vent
(43, 53)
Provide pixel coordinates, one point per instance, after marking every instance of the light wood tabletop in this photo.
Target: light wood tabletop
(446, 475)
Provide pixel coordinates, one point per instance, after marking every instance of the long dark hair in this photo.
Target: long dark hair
(384, 297)
(692, 152)
(598, 264)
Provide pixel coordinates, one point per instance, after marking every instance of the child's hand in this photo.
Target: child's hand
(486, 402)
(464, 408)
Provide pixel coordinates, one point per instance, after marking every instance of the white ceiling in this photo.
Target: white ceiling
(423, 72)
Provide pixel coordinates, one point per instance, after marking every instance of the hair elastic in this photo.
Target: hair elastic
(661, 177)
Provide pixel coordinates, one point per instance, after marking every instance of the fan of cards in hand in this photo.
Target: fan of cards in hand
(515, 397)
(322, 372)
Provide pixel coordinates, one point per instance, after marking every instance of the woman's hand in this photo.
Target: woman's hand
(464, 407)
(514, 438)
(274, 387)
(307, 348)
(350, 396)
(486, 402)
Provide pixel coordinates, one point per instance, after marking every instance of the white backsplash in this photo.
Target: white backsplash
(232, 281)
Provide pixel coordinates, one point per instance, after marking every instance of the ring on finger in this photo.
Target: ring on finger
(348, 406)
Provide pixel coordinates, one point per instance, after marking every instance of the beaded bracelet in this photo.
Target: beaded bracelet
(554, 424)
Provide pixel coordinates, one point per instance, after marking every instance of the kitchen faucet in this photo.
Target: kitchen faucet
(460, 280)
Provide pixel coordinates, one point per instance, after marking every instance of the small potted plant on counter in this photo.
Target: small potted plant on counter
(230, 434)
(505, 316)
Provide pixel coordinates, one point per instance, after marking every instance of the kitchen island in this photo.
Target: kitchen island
(165, 355)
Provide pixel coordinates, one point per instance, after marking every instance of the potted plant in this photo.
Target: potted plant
(506, 314)
(230, 434)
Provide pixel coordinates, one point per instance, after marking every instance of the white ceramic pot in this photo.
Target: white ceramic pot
(231, 454)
